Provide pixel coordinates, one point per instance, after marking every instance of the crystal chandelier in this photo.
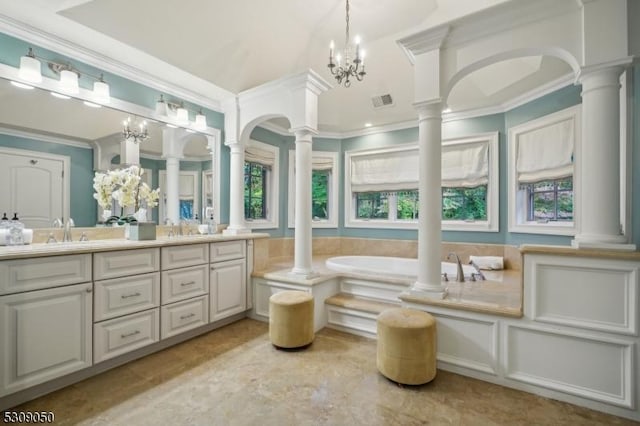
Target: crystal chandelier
(351, 68)
(136, 135)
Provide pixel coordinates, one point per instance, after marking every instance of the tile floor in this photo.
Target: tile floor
(234, 376)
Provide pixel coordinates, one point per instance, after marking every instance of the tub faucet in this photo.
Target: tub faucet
(460, 273)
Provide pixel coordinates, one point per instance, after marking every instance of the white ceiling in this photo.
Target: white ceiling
(240, 44)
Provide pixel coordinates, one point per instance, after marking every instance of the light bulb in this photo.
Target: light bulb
(69, 82)
(201, 121)
(101, 92)
(30, 68)
(182, 115)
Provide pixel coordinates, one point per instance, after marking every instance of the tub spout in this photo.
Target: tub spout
(460, 273)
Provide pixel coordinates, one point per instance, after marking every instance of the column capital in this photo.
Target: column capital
(429, 109)
(234, 143)
(302, 132)
(606, 68)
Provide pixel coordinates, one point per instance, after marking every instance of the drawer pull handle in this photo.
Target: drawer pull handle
(133, 333)
(184, 317)
(187, 283)
(126, 296)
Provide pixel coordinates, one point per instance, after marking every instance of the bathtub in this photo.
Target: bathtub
(391, 267)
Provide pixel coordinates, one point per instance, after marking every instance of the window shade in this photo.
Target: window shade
(254, 154)
(321, 163)
(465, 165)
(546, 153)
(389, 171)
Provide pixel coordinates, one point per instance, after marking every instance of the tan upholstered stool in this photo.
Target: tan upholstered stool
(407, 346)
(291, 319)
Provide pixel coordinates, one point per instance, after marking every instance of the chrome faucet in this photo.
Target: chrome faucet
(181, 225)
(168, 222)
(66, 236)
(66, 226)
(460, 272)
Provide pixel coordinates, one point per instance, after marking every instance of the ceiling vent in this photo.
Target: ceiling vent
(382, 101)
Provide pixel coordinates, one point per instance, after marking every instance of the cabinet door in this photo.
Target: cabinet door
(44, 334)
(228, 289)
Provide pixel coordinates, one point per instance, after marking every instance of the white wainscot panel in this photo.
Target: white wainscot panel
(468, 343)
(598, 369)
(356, 322)
(596, 294)
(265, 289)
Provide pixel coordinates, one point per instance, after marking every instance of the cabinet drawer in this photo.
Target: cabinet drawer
(114, 264)
(121, 296)
(182, 316)
(181, 256)
(180, 284)
(121, 335)
(18, 275)
(227, 250)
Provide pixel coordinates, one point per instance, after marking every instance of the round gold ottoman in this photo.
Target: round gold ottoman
(407, 346)
(291, 319)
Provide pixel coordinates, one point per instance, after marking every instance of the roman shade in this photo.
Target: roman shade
(546, 152)
(321, 163)
(254, 154)
(385, 171)
(465, 165)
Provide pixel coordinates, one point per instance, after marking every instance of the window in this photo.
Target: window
(324, 189)
(187, 195)
(550, 200)
(261, 185)
(381, 186)
(541, 169)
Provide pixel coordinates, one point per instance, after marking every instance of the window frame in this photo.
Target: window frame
(517, 198)
(273, 192)
(162, 184)
(493, 185)
(334, 187)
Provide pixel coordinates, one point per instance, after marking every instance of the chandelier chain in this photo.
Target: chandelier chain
(346, 39)
(352, 67)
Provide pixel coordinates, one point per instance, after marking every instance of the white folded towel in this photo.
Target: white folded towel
(27, 236)
(488, 262)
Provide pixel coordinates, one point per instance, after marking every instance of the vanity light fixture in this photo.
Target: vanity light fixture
(130, 132)
(30, 68)
(101, 91)
(182, 115)
(69, 82)
(201, 121)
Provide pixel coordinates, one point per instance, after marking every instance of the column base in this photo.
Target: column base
(236, 231)
(607, 242)
(303, 273)
(427, 290)
(582, 244)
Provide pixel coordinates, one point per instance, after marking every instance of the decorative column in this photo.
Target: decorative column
(236, 191)
(303, 234)
(598, 161)
(173, 189)
(129, 152)
(429, 281)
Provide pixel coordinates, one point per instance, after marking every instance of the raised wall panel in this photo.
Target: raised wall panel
(467, 342)
(358, 322)
(264, 290)
(600, 369)
(596, 294)
(372, 290)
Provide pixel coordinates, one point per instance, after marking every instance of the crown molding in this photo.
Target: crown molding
(30, 134)
(423, 41)
(199, 91)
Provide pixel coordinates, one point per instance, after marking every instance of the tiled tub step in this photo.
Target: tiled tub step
(354, 314)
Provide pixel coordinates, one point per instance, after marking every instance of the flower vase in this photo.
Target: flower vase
(106, 214)
(141, 215)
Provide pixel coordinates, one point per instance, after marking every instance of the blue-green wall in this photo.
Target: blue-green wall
(556, 101)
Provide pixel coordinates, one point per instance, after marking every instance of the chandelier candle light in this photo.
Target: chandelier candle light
(134, 134)
(351, 68)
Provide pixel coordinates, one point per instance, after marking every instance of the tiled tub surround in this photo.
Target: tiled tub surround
(71, 310)
(575, 337)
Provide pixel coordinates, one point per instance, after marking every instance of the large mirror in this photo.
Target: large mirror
(47, 156)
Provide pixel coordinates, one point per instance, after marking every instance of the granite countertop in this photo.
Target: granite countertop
(580, 252)
(78, 247)
(499, 294)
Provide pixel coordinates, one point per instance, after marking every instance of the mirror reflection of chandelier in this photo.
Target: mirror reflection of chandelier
(353, 66)
(136, 131)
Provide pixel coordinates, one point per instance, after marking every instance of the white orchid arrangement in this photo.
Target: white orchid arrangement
(126, 187)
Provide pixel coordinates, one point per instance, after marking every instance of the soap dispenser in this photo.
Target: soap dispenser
(5, 226)
(15, 231)
(211, 225)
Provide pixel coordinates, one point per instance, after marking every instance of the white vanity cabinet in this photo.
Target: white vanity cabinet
(126, 300)
(185, 288)
(45, 319)
(228, 293)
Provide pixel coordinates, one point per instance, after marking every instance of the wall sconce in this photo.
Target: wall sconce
(31, 71)
(180, 113)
